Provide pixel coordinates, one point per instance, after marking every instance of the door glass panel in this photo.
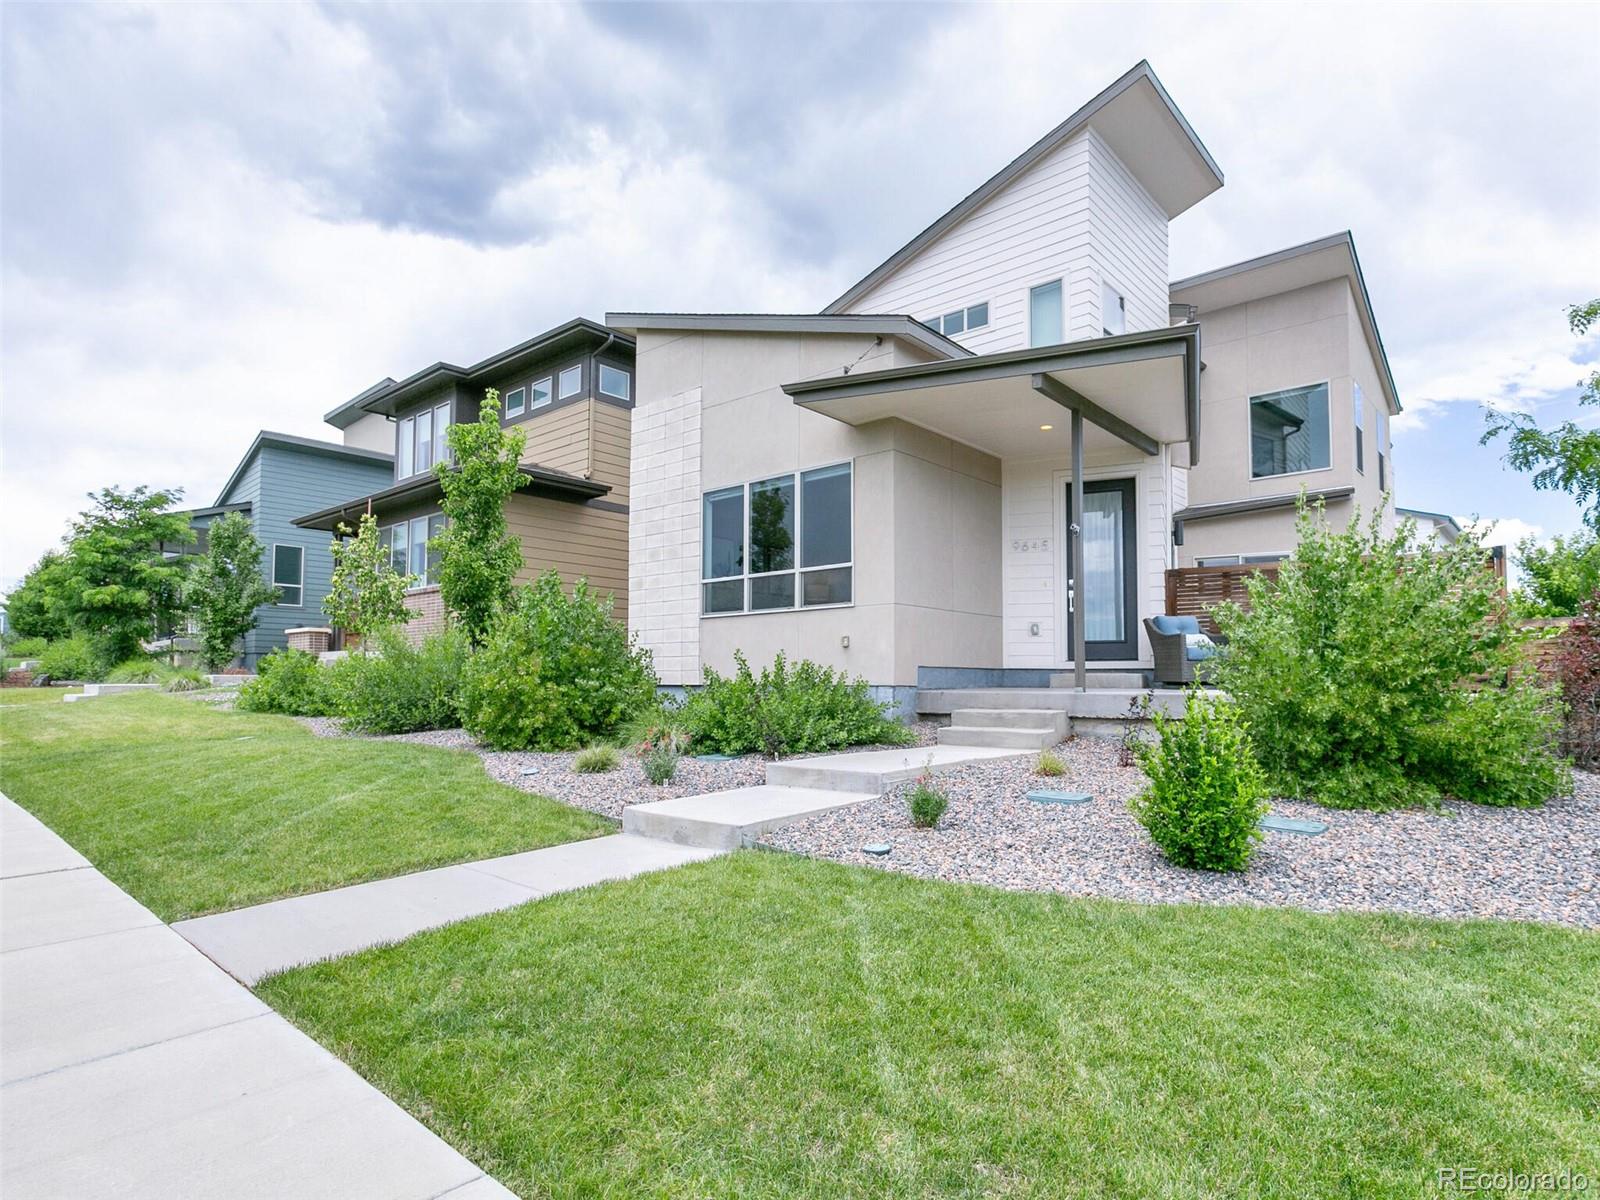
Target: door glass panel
(1103, 595)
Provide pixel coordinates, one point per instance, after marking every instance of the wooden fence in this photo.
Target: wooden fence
(1192, 591)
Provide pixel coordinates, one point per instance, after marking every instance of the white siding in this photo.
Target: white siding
(1078, 215)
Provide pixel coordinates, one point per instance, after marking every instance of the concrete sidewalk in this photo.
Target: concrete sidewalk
(252, 943)
(131, 1066)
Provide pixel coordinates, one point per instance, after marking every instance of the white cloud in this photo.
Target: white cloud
(1501, 531)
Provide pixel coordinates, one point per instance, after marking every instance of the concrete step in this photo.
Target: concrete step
(727, 820)
(1105, 704)
(874, 772)
(1100, 680)
(994, 735)
(1012, 718)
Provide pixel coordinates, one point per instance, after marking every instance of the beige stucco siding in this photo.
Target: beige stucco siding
(374, 431)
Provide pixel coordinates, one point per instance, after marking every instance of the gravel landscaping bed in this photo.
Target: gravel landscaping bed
(1463, 860)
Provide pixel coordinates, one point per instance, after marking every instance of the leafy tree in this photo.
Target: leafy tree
(771, 542)
(225, 588)
(478, 557)
(1560, 577)
(37, 605)
(1567, 457)
(117, 584)
(366, 593)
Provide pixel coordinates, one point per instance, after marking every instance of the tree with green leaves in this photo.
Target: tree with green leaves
(1559, 578)
(1567, 457)
(119, 585)
(37, 606)
(366, 594)
(225, 587)
(478, 556)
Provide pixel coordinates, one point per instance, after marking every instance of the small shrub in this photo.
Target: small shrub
(556, 671)
(291, 682)
(660, 764)
(183, 679)
(927, 803)
(71, 658)
(787, 710)
(26, 647)
(396, 687)
(138, 670)
(597, 760)
(1206, 789)
(1050, 764)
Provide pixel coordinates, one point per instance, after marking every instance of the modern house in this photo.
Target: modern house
(570, 390)
(978, 464)
(277, 479)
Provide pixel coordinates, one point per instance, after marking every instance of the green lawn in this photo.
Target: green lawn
(16, 697)
(763, 1025)
(194, 810)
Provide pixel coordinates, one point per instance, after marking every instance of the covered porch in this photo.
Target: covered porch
(1094, 439)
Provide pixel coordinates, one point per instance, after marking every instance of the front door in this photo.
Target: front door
(1106, 598)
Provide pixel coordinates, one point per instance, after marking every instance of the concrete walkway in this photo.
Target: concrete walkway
(252, 943)
(130, 1066)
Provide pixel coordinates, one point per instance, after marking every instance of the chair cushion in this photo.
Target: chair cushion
(1198, 647)
(1171, 625)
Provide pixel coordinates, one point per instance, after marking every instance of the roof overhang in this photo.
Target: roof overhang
(536, 481)
(1140, 390)
(1140, 123)
(878, 324)
(1234, 508)
(1332, 257)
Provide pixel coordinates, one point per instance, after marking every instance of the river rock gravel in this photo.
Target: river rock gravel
(1461, 860)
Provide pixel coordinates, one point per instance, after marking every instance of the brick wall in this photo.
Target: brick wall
(428, 606)
(664, 534)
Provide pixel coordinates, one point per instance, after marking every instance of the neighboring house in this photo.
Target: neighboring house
(571, 391)
(894, 485)
(279, 477)
(1440, 528)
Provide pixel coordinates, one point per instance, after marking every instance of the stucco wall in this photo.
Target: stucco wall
(372, 432)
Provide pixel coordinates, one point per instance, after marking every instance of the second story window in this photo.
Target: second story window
(421, 441)
(962, 320)
(1289, 431)
(1383, 461)
(615, 382)
(1045, 315)
(570, 383)
(516, 402)
(539, 391)
(1113, 311)
(1361, 450)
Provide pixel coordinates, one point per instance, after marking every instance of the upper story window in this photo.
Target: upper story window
(1383, 447)
(1045, 313)
(516, 402)
(421, 440)
(1289, 431)
(570, 382)
(289, 575)
(778, 543)
(962, 320)
(412, 548)
(1360, 405)
(539, 393)
(614, 381)
(1113, 311)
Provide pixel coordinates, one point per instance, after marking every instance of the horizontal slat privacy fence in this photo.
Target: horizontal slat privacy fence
(1192, 591)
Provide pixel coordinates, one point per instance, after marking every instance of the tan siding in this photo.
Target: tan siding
(612, 435)
(574, 539)
(560, 439)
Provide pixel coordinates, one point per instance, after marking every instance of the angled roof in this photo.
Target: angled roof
(885, 324)
(536, 480)
(1140, 123)
(291, 441)
(1331, 257)
(1437, 517)
(384, 397)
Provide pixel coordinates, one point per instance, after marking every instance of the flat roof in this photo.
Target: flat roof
(884, 324)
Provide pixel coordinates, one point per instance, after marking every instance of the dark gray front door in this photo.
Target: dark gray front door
(1105, 600)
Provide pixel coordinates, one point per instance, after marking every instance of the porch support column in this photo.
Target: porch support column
(1075, 534)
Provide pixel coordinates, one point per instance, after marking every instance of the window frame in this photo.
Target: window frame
(1108, 289)
(1357, 399)
(272, 578)
(1059, 282)
(386, 538)
(600, 381)
(545, 384)
(1249, 427)
(521, 393)
(939, 324)
(797, 571)
(561, 382)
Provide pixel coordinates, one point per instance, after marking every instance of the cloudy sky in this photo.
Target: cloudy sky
(216, 219)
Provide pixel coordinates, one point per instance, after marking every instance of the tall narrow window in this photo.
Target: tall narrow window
(722, 567)
(398, 543)
(772, 543)
(1044, 315)
(1382, 431)
(405, 431)
(1361, 456)
(435, 524)
(1289, 431)
(441, 432)
(424, 452)
(288, 575)
(1113, 311)
(825, 571)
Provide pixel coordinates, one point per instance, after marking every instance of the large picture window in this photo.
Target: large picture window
(411, 548)
(420, 441)
(778, 543)
(289, 575)
(1289, 431)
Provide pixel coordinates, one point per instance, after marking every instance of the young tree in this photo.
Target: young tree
(478, 557)
(366, 594)
(1567, 457)
(1560, 577)
(225, 588)
(37, 606)
(119, 586)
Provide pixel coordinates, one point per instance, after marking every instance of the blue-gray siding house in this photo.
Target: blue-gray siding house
(279, 478)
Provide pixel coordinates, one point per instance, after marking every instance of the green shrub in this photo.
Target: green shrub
(26, 647)
(1206, 791)
(927, 804)
(1050, 764)
(71, 658)
(597, 760)
(1375, 676)
(393, 686)
(183, 679)
(556, 671)
(660, 764)
(786, 710)
(290, 682)
(138, 670)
